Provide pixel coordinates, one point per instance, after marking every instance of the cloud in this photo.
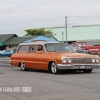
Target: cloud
(52, 9)
(3, 7)
(29, 13)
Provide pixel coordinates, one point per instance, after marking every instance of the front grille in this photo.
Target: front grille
(82, 60)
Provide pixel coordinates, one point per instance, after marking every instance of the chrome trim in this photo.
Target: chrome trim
(82, 60)
(77, 66)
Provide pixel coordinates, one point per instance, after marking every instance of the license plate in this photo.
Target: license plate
(82, 67)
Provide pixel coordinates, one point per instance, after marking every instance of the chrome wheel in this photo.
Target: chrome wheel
(54, 68)
(23, 66)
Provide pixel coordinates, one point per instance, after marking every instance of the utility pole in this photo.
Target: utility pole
(66, 26)
(62, 37)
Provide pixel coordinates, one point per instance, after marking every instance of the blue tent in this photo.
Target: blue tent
(42, 38)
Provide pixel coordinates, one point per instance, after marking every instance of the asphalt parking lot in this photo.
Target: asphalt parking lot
(41, 85)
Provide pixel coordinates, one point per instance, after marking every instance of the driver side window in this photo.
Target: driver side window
(40, 48)
(32, 49)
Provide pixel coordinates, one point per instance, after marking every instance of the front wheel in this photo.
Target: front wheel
(87, 70)
(23, 66)
(54, 68)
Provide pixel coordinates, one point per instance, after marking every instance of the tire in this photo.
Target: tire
(23, 66)
(87, 70)
(54, 68)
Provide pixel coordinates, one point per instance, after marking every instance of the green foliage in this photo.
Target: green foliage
(36, 31)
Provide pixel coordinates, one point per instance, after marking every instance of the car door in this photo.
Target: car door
(22, 53)
(41, 62)
(31, 57)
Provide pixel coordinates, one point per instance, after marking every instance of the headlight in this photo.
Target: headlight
(93, 60)
(69, 60)
(64, 60)
(97, 60)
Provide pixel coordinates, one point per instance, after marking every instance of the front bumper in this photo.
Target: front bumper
(78, 66)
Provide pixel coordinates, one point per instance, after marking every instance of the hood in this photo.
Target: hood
(74, 55)
(79, 55)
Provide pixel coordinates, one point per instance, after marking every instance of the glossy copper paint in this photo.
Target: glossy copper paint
(40, 60)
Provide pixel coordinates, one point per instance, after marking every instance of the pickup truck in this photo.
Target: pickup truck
(94, 49)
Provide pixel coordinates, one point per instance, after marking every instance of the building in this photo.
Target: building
(4, 38)
(11, 41)
(88, 33)
(14, 42)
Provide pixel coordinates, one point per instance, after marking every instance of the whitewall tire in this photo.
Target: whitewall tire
(54, 68)
(23, 66)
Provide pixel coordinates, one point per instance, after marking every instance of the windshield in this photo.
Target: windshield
(58, 47)
(81, 44)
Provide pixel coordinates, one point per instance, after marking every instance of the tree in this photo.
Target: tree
(39, 31)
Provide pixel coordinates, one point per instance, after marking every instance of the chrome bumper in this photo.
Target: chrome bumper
(78, 66)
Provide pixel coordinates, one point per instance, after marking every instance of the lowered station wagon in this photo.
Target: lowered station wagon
(53, 57)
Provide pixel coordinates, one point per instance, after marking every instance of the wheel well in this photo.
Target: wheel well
(49, 65)
(19, 64)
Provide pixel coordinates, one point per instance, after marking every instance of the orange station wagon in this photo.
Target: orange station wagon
(53, 57)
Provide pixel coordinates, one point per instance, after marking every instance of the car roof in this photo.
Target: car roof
(40, 42)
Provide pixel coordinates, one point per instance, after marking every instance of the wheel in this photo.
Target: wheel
(23, 66)
(54, 68)
(87, 70)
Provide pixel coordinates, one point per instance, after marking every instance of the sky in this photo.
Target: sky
(19, 15)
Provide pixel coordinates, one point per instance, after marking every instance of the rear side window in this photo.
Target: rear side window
(23, 49)
(32, 49)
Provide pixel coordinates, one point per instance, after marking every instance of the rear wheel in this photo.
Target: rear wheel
(23, 66)
(87, 70)
(54, 68)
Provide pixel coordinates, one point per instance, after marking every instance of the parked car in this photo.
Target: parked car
(84, 51)
(94, 49)
(53, 57)
(7, 53)
(80, 50)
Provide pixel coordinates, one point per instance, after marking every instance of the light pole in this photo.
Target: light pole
(62, 37)
(66, 26)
